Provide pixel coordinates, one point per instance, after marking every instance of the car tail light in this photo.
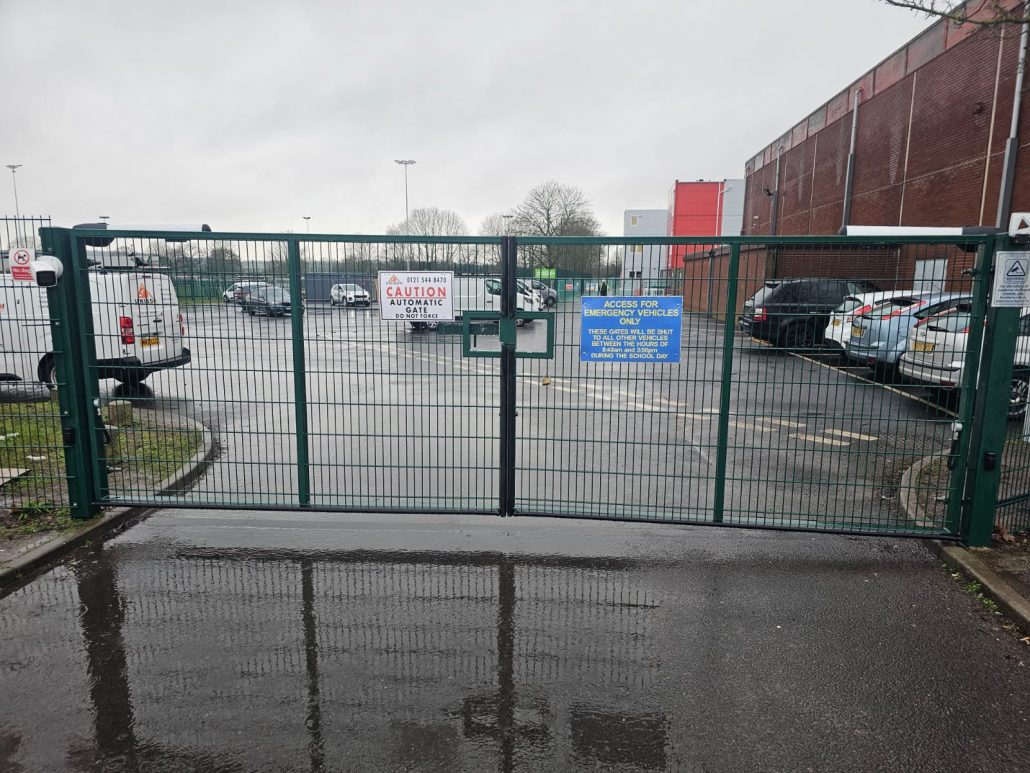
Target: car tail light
(864, 310)
(182, 324)
(759, 314)
(965, 329)
(125, 327)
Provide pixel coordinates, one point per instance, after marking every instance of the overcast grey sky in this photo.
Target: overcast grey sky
(249, 115)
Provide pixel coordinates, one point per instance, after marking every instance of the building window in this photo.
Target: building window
(634, 220)
(637, 249)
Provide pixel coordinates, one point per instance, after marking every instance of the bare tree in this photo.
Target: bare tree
(554, 209)
(496, 224)
(986, 13)
(428, 222)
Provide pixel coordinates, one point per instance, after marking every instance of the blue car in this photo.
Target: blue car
(880, 335)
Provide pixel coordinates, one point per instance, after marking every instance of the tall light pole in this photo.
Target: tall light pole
(105, 218)
(407, 227)
(405, 164)
(507, 224)
(307, 223)
(17, 209)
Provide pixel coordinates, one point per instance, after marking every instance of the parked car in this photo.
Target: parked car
(349, 295)
(880, 335)
(936, 353)
(839, 330)
(239, 290)
(549, 294)
(269, 301)
(794, 313)
(137, 328)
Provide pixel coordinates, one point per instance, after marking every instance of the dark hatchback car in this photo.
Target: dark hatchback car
(794, 312)
(267, 301)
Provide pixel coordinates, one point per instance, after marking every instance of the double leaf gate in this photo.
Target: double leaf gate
(294, 393)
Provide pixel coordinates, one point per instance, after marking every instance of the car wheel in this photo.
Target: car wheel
(550, 303)
(432, 325)
(520, 322)
(798, 336)
(48, 371)
(332, 302)
(1018, 395)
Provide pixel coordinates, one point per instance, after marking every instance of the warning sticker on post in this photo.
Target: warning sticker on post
(631, 329)
(1011, 288)
(21, 260)
(416, 296)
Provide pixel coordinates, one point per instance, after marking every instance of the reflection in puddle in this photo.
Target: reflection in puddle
(226, 660)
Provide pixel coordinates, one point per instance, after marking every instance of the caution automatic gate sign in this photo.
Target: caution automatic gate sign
(416, 296)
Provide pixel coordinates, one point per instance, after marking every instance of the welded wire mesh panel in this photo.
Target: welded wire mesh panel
(1013, 513)
(847, 365)
(33, 478)
(816, 387)
(618, 438)
(268, 355)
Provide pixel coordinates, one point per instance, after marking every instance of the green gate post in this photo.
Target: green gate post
(990, 419)
(81, 426)
(300, 384)
(728, 332)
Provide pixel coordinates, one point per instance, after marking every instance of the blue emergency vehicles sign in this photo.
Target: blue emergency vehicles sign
(631, 329)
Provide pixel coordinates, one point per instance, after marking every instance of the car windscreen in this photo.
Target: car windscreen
(954, 321)
(763, 294)
(894, 307)
(351, 289)
(850, 304)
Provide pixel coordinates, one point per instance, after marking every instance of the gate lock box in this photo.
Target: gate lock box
(47, 270)
(483, 332)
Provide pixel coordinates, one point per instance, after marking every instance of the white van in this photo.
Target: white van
(137, 327)
(480, 293)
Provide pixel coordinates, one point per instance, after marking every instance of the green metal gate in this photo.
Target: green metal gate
(331, 408)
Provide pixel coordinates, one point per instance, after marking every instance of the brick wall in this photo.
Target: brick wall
(926, 153)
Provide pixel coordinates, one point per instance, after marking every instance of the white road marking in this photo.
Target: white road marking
(751, 427)
(780, 422)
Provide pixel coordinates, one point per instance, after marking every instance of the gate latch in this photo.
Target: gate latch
(956, 433)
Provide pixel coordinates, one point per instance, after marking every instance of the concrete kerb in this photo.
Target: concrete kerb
(994, 586)
(120, 517)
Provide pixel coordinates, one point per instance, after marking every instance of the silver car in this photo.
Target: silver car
(880, 335)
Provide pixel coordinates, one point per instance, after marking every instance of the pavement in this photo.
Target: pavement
(218, 640)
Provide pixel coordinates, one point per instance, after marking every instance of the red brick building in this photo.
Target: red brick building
(931, 129)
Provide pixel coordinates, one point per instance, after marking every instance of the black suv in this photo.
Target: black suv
(795, 312)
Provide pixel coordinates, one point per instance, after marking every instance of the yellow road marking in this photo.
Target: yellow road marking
(852, 435)
(817, 439)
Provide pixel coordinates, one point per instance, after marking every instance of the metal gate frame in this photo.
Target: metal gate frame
(978, 441)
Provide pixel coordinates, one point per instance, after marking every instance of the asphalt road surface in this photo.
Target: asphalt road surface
(400, 419)
(236, 641)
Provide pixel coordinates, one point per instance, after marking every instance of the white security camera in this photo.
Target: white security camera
(47, 269)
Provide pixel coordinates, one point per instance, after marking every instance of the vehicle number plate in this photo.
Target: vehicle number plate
(836, 323)
(923, 346)
(154, 341)
(857, 332)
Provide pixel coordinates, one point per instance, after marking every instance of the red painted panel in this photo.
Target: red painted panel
(695, 213)
(799, 134)
(838, 107)
(816, 121)
(865, 83)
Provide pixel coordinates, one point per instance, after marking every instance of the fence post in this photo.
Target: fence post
(509, 305)
(728, 332)
(300, 383)
(990, 418)
(82, 439)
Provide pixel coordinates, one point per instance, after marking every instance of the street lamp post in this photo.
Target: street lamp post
(507, 224)
(307, 223)
(407, 228)
(17, 209)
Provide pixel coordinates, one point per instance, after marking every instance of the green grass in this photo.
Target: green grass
(147, 452)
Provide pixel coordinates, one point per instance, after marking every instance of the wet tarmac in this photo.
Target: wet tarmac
(217, 641)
